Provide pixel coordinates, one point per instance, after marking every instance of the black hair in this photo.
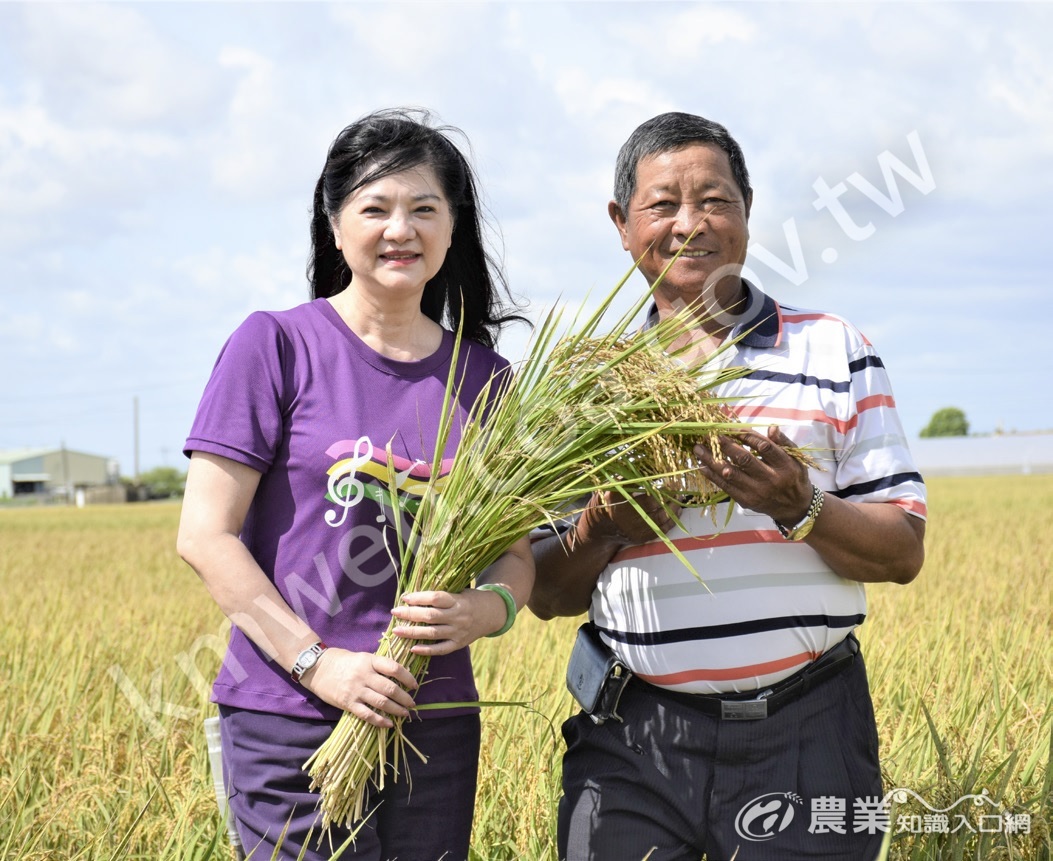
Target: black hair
(470, 281)
(672, 131)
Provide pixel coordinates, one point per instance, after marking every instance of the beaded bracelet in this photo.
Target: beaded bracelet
(510, 606)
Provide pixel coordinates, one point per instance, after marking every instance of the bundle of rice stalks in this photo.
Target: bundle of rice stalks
(583, 414)
(667, 457)
(694, 416)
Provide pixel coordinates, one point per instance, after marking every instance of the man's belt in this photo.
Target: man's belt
(756, 705)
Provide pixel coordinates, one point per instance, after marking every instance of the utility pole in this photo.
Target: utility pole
(135, 423)
(65, 474)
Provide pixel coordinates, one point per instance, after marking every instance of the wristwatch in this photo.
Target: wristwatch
(801, 529)
(306, 659)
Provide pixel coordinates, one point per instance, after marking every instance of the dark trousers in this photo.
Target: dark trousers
(675, 783)
(425, 818)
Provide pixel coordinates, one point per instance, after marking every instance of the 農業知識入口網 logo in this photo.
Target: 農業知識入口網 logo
(767, 815)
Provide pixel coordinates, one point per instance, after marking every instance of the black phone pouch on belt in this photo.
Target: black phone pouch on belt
(595, 677)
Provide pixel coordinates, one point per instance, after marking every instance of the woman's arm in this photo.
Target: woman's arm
(218, 494)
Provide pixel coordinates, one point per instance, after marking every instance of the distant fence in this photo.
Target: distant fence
(103, 494)
(991, 469)
(107, 494)
(1006, 454)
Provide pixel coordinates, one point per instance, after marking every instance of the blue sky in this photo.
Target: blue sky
(157, 161)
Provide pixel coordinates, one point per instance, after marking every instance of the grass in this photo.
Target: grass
(108, 644)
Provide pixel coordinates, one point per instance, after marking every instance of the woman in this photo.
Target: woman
(287, 513)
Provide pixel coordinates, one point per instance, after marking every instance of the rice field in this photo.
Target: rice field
(108, 643)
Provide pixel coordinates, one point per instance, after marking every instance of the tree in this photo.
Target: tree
(949, 421)
(163, 482)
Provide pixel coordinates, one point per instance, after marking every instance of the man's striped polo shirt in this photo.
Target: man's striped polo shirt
(766, 606)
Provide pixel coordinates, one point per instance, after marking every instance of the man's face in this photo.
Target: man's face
(679, 192)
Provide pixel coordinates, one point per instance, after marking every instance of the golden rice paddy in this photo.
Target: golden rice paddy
(108, 643)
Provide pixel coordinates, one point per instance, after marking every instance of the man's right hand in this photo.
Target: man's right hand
(569, 565)
(609, 519)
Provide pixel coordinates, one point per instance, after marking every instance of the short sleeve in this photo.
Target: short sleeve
(241, 413)
(875, 463)
(495, 377)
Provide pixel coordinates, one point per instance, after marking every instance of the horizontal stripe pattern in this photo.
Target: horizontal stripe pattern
(737, 629)
(869, 487)
(865, 362)
(765, 607)
(799, 379)
(787, 666)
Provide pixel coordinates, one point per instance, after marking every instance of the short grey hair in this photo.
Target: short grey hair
(673, 131)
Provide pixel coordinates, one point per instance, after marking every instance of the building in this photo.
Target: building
(1000, 454)
(59, 472)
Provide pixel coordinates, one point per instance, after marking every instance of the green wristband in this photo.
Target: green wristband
(510, 606)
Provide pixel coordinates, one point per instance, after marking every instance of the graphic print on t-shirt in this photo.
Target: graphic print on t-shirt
(361, 472)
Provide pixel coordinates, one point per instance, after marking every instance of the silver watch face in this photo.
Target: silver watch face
(308, 659)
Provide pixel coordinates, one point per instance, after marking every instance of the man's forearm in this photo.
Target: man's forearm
(567, 570)
(869, 542)
(569, 565)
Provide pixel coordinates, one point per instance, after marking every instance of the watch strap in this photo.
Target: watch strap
(801, 529)
(307, 659)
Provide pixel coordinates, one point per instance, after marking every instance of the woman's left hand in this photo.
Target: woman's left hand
(448, 622)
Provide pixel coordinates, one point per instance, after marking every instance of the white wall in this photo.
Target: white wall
(967, 455)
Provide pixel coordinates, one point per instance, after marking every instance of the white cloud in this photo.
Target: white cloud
(419, 35)
(245, 153)
(687, 35)
(106, 64)
(1025, 84)
(47, 169)
(233, 283)
(588, 99)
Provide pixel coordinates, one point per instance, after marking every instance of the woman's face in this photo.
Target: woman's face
(395, 232)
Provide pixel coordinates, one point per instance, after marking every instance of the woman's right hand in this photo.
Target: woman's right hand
(369, 686)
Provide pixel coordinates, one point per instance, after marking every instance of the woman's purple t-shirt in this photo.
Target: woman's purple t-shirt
(299, 397)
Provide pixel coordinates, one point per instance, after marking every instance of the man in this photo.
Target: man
(747, 726)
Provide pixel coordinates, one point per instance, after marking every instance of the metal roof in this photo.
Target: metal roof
(13, 455)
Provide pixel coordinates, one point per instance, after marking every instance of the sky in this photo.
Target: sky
(157, 162)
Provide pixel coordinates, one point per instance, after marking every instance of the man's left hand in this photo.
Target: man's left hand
(758, 473)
